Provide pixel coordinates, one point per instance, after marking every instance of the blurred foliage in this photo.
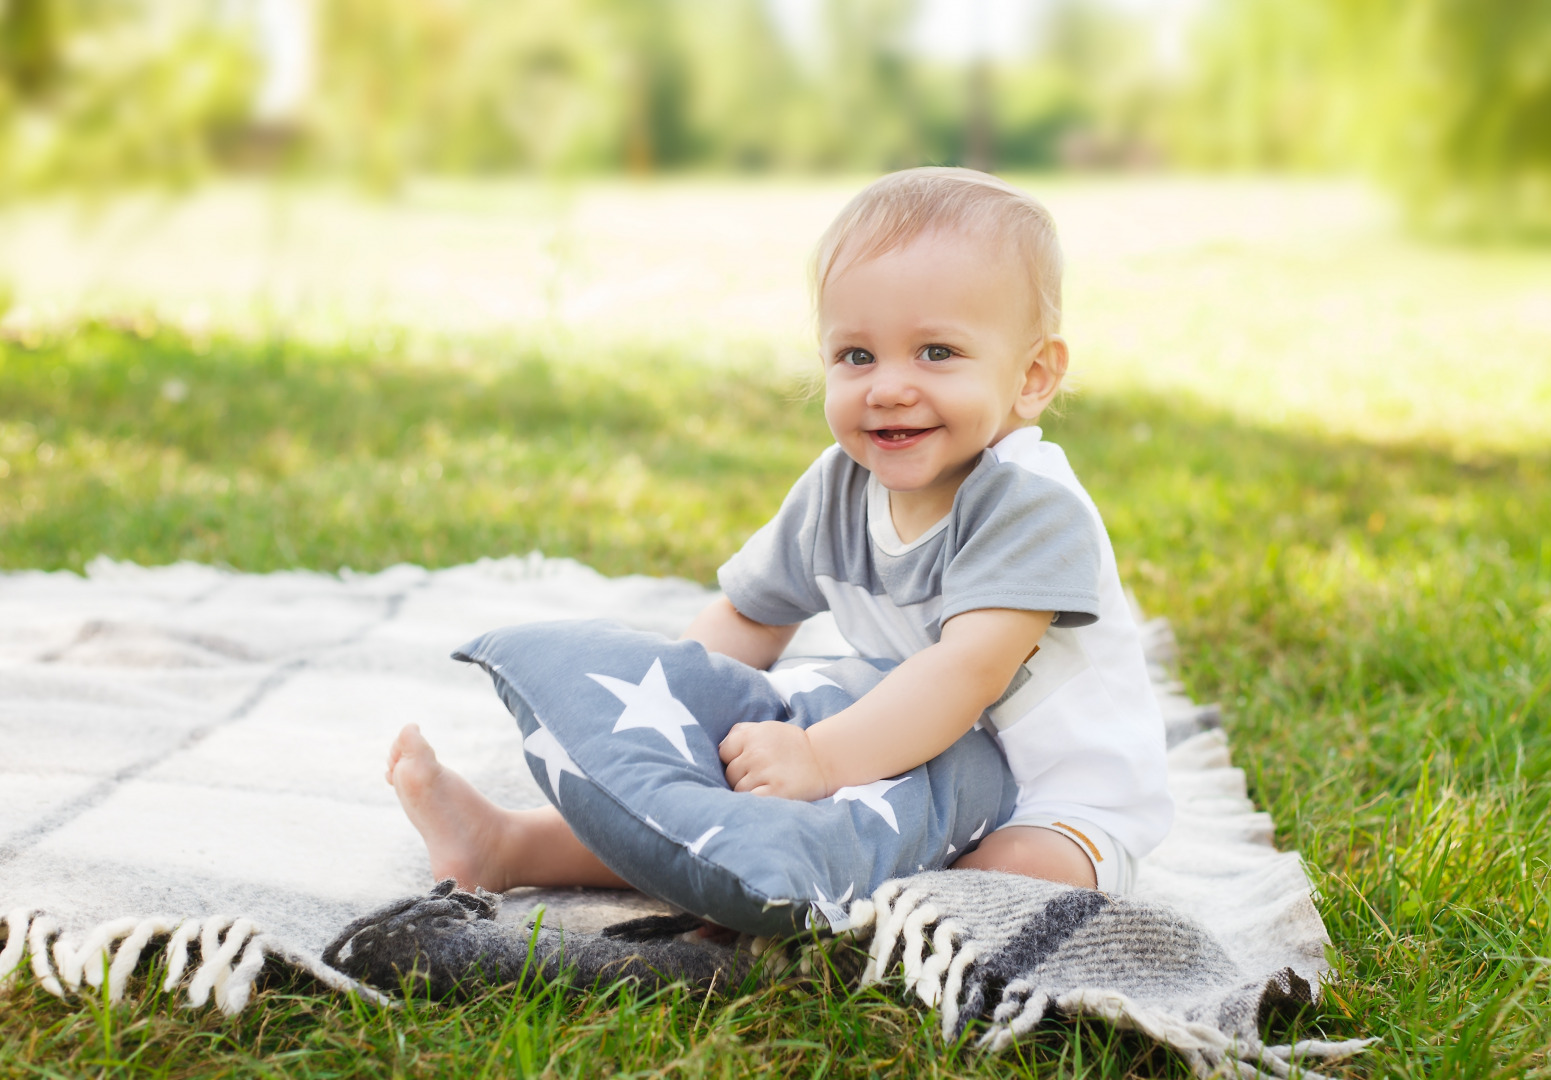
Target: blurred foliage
(98, 92)
(1449, 100)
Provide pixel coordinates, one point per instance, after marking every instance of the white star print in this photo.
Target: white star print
(694, 849)
(978, 833)
(650, 704)
(543, 745)
(789, 682)
(871, 796)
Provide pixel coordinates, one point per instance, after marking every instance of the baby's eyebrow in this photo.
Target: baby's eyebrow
(846, 337)
(951, 329)
(948, 331)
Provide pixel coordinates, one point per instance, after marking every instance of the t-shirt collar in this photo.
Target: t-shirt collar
(1015, 441)
(880, 522)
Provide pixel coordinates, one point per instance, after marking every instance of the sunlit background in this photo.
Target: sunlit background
(349, 283)
(1447, 102)
(1276, 205)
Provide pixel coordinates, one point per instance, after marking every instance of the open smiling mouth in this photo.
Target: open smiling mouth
(898, 435)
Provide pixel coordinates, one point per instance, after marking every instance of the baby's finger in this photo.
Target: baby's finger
(732, 745)
(747, 782)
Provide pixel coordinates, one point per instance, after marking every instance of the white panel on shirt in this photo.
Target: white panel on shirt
(1084, 732)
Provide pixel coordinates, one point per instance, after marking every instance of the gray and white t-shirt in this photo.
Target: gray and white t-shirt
(1081, 729)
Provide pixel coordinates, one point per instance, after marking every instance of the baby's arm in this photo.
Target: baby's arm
(721, 628)
(919, 710)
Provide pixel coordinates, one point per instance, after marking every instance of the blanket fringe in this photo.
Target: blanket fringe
(231, 954)
(902, 918)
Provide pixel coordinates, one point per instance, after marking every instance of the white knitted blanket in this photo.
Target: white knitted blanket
(198, 753)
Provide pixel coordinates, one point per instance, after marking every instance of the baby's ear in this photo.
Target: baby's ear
(1042, 380)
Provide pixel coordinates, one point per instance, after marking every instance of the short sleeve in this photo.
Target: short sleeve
(771, 578)
(1029, 543)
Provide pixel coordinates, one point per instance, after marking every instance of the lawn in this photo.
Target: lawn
(1321, 450)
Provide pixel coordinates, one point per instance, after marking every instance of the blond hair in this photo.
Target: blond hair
(895, 209)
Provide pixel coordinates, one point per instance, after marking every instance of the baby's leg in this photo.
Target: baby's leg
(479, 843)
(1032, 852)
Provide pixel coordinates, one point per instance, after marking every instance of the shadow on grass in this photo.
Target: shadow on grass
(271, 456)
(1377, 619)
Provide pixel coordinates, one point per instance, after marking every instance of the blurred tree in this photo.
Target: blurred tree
(749, 106)
(119, 89)
(1449, 100)
(538, 84)
(1469, 113)
(1090, 94)
(99, 93)
(29, 45)
(872, 113)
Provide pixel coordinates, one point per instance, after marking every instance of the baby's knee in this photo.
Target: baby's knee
(1033, 852)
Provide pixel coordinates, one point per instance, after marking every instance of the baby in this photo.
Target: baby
(942, 532)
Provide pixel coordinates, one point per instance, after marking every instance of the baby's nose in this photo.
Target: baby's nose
(890, 385)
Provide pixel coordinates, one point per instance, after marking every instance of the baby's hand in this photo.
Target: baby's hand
(773, 758)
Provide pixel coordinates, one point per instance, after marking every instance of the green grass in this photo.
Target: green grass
(1376, 618)
(273, 455)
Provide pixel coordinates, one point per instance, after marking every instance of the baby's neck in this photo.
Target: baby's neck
(914, 512)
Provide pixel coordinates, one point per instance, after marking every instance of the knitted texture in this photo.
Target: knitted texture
(1013, 950)
(194, 774)
(977, 945)
(450, 941)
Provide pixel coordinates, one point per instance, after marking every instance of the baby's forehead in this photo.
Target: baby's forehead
(947, 286)
(972, 235)
(955, 245)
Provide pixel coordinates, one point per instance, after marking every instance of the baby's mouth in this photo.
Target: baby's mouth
(898, 438)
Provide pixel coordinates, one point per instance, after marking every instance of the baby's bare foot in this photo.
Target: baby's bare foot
(465, 833)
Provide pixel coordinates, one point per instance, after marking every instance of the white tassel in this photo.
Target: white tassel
(1197, 1062)
(177, 953)
(773, 949)
(890, 922)
(16, 924)
(953, 987)
(118, 945)
(129, 950)
(1278, 1067)
(913, 949)
(38, 936)
(1031, 1013)
(60, 955)
(1008, 1005)
(216, 957)
(929, 980)
(87, 962)
(232, 994)
(1318, 1048)
(860, 917)
(209, 948)
(330, 977)
(997, 1039)
(810, 957)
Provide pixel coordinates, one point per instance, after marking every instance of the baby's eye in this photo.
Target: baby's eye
(936, 352)
(857, 357)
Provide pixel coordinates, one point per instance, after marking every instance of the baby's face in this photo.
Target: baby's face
(928, 353)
